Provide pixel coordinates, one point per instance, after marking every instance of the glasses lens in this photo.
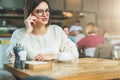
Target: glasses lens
(47, 12)
(41, 12)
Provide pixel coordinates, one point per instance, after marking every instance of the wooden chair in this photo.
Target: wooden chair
(82, 53)
(104, 51)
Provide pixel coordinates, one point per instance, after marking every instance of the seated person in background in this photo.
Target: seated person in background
(91, 40)
(76, 27)
(79, 35)
(70, 36)
(41, 40)
(77, 30)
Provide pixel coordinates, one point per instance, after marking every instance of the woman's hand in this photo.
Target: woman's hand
(29, 23)
(44, 57)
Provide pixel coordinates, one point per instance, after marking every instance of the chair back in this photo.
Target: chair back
(104, 51)
(90, 51)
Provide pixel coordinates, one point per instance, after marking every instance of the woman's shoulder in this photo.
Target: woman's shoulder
(55, 27)
(19, 31)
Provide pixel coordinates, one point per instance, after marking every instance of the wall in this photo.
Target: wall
(105, 13)
(108, 16)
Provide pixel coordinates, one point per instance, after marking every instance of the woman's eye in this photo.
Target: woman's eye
(39, 11)
(47, 10)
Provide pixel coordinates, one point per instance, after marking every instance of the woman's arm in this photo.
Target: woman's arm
(67, 46)
(19, 36)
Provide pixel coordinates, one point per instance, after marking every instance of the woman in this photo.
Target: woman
(41, 40)
(91, 40)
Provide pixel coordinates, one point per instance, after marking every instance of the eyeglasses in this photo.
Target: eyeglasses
(42, 12)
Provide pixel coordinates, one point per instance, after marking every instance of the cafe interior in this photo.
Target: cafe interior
(103, 65)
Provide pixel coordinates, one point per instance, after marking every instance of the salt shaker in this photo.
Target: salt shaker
(22, 55)
(19, 53)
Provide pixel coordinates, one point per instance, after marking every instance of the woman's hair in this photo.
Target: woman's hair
(31, 5)
(91, 28)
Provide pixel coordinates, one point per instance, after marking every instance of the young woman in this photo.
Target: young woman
(41, 40)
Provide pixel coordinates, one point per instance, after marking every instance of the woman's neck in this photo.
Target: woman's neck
(39, 30)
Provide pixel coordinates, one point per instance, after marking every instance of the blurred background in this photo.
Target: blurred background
(104, 13)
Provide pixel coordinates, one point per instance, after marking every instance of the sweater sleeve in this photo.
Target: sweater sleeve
(19, 36)
(66, 45)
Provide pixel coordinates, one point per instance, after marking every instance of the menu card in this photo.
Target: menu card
(35, 62)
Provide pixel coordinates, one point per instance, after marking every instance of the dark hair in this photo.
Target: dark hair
(38, 78)
(31, 5)
(66, 27)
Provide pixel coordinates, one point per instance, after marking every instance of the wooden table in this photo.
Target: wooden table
(81, 69)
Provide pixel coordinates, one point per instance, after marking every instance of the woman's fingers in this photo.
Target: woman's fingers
(31, 18)
(43, 57)
(34, 59)
(29, 23)
(39, 58)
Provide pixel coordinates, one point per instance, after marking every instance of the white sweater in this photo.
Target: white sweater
(55, 41)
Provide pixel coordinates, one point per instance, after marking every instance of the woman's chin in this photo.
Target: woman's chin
(45, 22)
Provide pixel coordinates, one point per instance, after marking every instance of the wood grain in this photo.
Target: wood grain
(81, 69)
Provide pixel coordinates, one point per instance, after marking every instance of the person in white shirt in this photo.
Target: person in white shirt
(77, 30)
(79, 35)
(76, 27)
(41, 40)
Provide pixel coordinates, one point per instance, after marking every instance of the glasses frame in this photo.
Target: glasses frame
(42, 12)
